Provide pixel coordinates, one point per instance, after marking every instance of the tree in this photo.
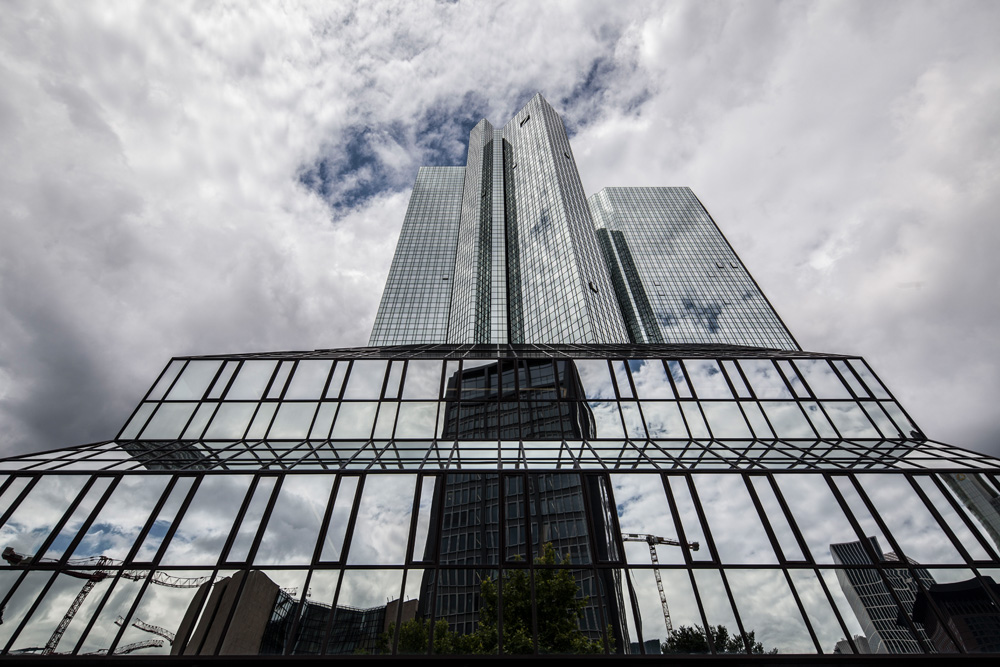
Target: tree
(688, 639)
(557, 605)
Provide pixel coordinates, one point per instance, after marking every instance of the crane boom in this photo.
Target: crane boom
(652, 541)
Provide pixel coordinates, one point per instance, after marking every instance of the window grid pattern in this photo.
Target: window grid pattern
(819, 562)
(678, 279)
(417, 297)
(565, 290)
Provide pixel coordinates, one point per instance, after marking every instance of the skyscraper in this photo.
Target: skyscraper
(546, 374)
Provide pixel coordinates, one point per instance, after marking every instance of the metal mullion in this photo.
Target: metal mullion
(324, 642)
(32, 481)
(175, 522)
(30, 612)
(702, 518)
(89, 520)
(154, 513)
(802, 610)
(736, 611)
(843, 380)
(789, 518)
(325, 525)
(352, 519)
(836, 610)
(97, 612)
(232, 609)
(412, 531)
(937, 517)
(762, 516)
(61, 523)
(261, 524)
(936, 480)
(905, 562)
(876, 558)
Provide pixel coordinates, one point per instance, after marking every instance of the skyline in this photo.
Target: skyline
(173, 178)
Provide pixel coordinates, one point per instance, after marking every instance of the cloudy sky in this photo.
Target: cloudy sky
(188, 178)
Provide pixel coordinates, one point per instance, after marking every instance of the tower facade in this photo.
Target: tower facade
(546, 377)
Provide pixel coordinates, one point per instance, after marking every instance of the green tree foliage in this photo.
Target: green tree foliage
(558, 610)
(688, 639)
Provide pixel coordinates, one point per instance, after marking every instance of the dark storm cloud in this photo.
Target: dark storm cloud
(191, 178)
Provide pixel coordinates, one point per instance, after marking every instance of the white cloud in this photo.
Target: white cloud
(151, 205)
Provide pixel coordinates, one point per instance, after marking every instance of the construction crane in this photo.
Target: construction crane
(92, 578)
(652, 541)
(148, 627)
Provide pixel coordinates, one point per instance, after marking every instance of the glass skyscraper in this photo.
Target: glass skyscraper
(579, 428)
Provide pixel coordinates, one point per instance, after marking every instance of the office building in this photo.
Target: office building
(579, 428)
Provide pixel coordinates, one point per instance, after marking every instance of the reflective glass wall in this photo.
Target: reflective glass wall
(484, 500)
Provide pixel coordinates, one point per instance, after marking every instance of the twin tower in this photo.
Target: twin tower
(509, 249)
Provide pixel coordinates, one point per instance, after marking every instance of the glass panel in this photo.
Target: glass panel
(395, 375)
(643, 511)
(290, 536)
(850, 378)
(688, 635)
(230, 421)
(915, 529)
(206, 524)
(34, 518)
(650, 379)
(764, 379)
(337, 379)
(607, 420)
(423, 518)
(835, 586)
(416, 420)
(354, 420)
(883, 422)
(707, 378)
(199, 421)
(423, 380)
(250, 524)
(309, 380)
(76, 519)
(771, 618)
(821, 379)
(105, 627)
(633, 420)
(382, 528)
(730, 368)
(787, 420)
(663, 420)
(726, 420)
(168, 512)
(360, 615)
(293, 421)
(869, 379)
(736, 528)
(193, 382)
(776, 518)
(169, 421)
(793, 378)
(203, 621)
(816, 512)
(315, 618)
(280, 378)
(693, 531)
(978, 497)
(680, 381)
(222, 381)
(52, 608)
(137, 422)
(621, 379)
(596, 378)
(818, 419)
(261, 421)
(323, 422)
(173, 368)
(334, 541)
(756, 418)
(821, 617)
(261, 621)
(386, 420)
(695, 422)
(251, 382)
(366, 380)
(725, 633)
